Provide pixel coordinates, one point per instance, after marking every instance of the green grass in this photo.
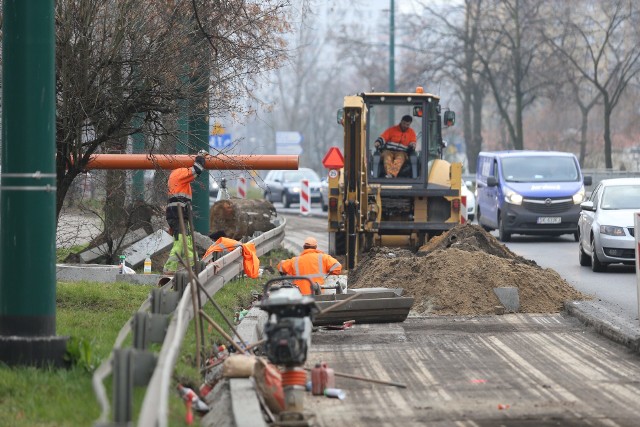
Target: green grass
(93, 314)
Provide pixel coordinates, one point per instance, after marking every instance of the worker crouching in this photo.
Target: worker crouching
(311, 263)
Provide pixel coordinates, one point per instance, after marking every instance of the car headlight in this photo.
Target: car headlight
(513, 197)
(580, 196)
(611, 230)
(295, 189)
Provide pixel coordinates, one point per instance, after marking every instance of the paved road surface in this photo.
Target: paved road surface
(512, 370)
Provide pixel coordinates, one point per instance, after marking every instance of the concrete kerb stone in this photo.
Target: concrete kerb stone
(86, 272)
(606, 322)
(251, 328)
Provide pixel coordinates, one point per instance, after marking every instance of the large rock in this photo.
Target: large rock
(241, 217)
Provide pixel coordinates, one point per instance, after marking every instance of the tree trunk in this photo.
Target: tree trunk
(583, 134)
(607, 134)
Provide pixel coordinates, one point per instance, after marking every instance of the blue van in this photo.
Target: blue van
(529, 192)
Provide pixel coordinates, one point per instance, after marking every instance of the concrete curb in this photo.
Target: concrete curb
(604, 319)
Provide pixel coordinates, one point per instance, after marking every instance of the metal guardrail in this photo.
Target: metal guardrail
(132, 365)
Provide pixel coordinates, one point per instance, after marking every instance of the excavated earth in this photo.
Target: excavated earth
(455, 274)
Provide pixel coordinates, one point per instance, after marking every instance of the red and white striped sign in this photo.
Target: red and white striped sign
(242, 187)
(305, 197)
(464, 216)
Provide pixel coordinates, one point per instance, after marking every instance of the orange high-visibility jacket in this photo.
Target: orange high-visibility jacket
(311, 263)
(396, 140)
(180, 195)
(250, 261)
(224, 245)
(179, 183)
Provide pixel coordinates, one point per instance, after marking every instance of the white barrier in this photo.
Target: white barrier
(305, 197)
(464, 216)
(242, 187)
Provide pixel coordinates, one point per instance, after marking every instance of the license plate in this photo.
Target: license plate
(549, 220)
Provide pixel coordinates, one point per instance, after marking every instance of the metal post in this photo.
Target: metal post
(636, 221)
(392, 45)
(199, 140)
(28, 192)
(137, 142)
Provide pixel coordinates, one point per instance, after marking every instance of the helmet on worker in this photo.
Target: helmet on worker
(309, 243)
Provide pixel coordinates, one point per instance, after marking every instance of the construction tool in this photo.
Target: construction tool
(369, 380)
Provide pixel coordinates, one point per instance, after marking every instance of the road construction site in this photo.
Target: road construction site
(574, 364)
(457, 359)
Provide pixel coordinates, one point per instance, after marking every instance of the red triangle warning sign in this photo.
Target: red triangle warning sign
(333, 159)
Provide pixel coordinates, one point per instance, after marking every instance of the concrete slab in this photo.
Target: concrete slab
(95, 253)
(509, 297)
(156, 242)
(89, 272)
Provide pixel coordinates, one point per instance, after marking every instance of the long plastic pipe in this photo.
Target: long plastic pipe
(166, 161)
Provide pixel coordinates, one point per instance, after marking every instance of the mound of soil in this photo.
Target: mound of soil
(455, 273)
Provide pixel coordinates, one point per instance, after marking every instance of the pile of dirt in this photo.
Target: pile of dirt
(456, 272)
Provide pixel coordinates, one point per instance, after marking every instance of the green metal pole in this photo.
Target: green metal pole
(137, 142)
(392, 55)
(392, 46)
(199, 140)
(28, 196)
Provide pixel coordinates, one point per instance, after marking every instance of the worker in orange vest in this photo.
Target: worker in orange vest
(180, 195)
(311, 263)
(395, 143)
(225, 245)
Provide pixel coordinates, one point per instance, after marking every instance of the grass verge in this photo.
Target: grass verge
(92, 314)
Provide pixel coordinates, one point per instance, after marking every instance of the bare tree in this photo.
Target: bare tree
(600, 41)
(117, 59)
(512, 53)
(449, 42)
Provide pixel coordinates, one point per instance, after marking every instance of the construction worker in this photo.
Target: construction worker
(395, 143)
(311, 263)
(180, 195)
(225, 245)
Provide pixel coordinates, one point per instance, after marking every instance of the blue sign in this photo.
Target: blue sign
(220, 141)
(288, 143)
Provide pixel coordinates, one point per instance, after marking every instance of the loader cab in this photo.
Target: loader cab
(386, 110)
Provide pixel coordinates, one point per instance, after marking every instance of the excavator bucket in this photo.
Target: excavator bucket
(372, 305)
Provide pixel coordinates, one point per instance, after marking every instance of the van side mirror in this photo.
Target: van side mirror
(340, 116)
(587, 206)
(587, 180)
(492, 181)
(449, 118)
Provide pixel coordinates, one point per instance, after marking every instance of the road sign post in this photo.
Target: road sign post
(636, 220)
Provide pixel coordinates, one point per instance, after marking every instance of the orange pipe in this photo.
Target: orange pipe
(170, 161)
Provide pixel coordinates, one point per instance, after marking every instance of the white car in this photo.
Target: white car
(605, 226)
(471, 200)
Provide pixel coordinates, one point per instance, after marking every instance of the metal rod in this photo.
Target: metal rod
(222, 332)
(195, 264)
(194, 287)
(369, 380)
(226, 319)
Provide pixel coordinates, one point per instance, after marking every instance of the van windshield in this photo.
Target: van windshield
(540, 169)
